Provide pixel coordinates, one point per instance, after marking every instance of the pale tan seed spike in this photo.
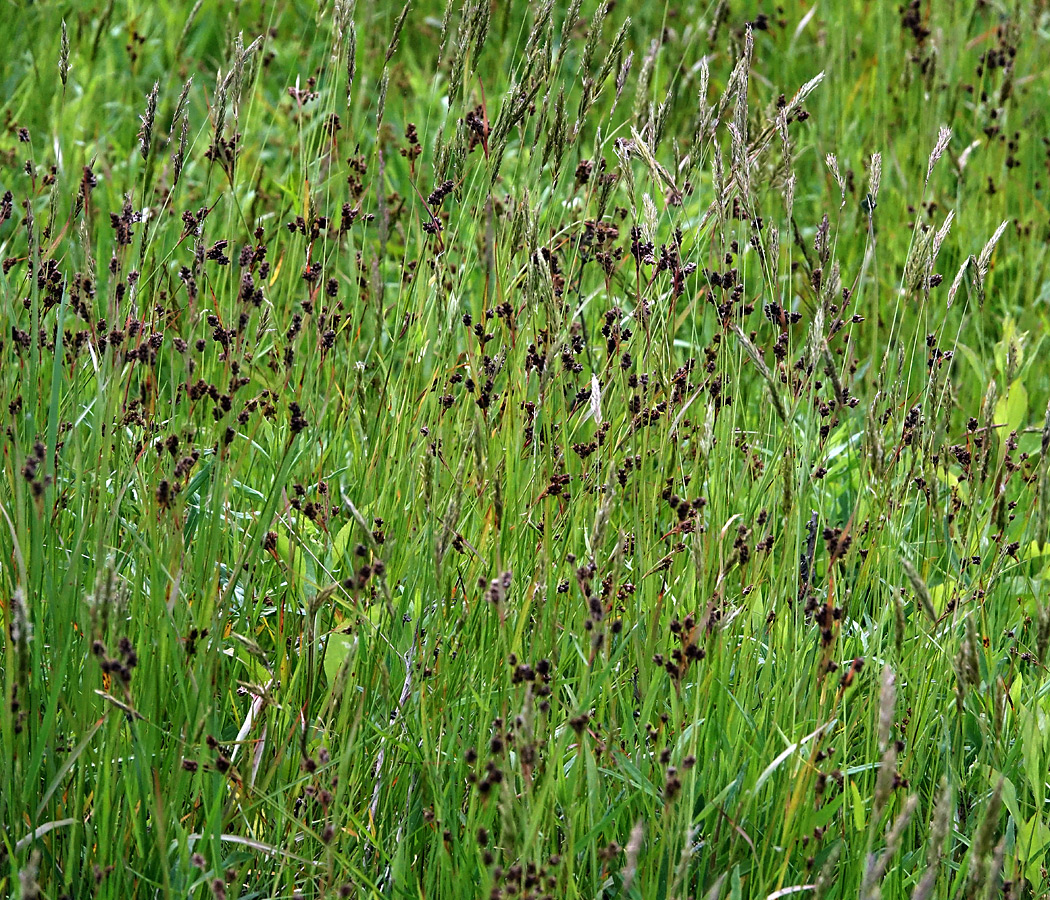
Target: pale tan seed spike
(954, 289)
(649, 218)
(944, 135)
(887, 705)
(803, 92)
(875, 178)
(832, 163)
(986, 254)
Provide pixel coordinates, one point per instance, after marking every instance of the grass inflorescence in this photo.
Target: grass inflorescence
(524, 450)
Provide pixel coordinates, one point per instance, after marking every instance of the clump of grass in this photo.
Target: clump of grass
(523, 451)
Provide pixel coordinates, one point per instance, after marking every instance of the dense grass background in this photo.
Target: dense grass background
(582, 457)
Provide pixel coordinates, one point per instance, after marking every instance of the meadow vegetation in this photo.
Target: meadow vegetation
(524, 450)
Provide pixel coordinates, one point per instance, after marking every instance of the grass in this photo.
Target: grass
(524, 451)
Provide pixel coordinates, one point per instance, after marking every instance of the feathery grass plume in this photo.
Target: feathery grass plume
(756, 357)
(939, 827)
(650, 216)
(922, 592)
(29, 887)
(594, 35)
(987, 420)
(181, 103)
(187, 25)
(457, 68)
(539, 285)
(590, 87)
(795, 103)
(788, 151)
(728, 95)
(944, 135)
(621, 78)
(604, 511)
(623, 148)
(831, 286)
(900, 624)
(964, 157)
(52, 208)
(395, 37)
(957, 281)
(983, 846)
(237, 74)
(831, 161)
(702, 119)
(707, 431)
(519, 219)
(918, 261)
(446, 20)
(384, 83)
(457, 153)
(222, 86)
(641, 88)
(342, 16)
(742, 72)
(572, 15)
(718, 17)
(740, 162)
(942, 232)
(613, 56)
(146, 132)
(31, 237)
(554, 146)
(63, 55)
(766, 136)
(884, 783)
(822, 241)
(20, 625)
(984, 259)
(179, 156)
(541, 23)
(815, 348)
(479, 30)
(887, 705)
(442, 152)
(658, 118)
(682, 867)
(992, 886)
(876, 866)
(659, 174)
(828, 876)
(874, 178)
(607, 184)
(351, 60)
(927, 280)
(516, 103)
(718, 182)
(382, 207)
(248, 68)
(1014, 356)
(874, 449)
(634, 846)
(967, 669)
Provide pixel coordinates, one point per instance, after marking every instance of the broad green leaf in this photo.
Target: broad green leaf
(339, 647)
(293, 558)
(1032, 839)
(1010, 411)
(859, 818)
(342, 541)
